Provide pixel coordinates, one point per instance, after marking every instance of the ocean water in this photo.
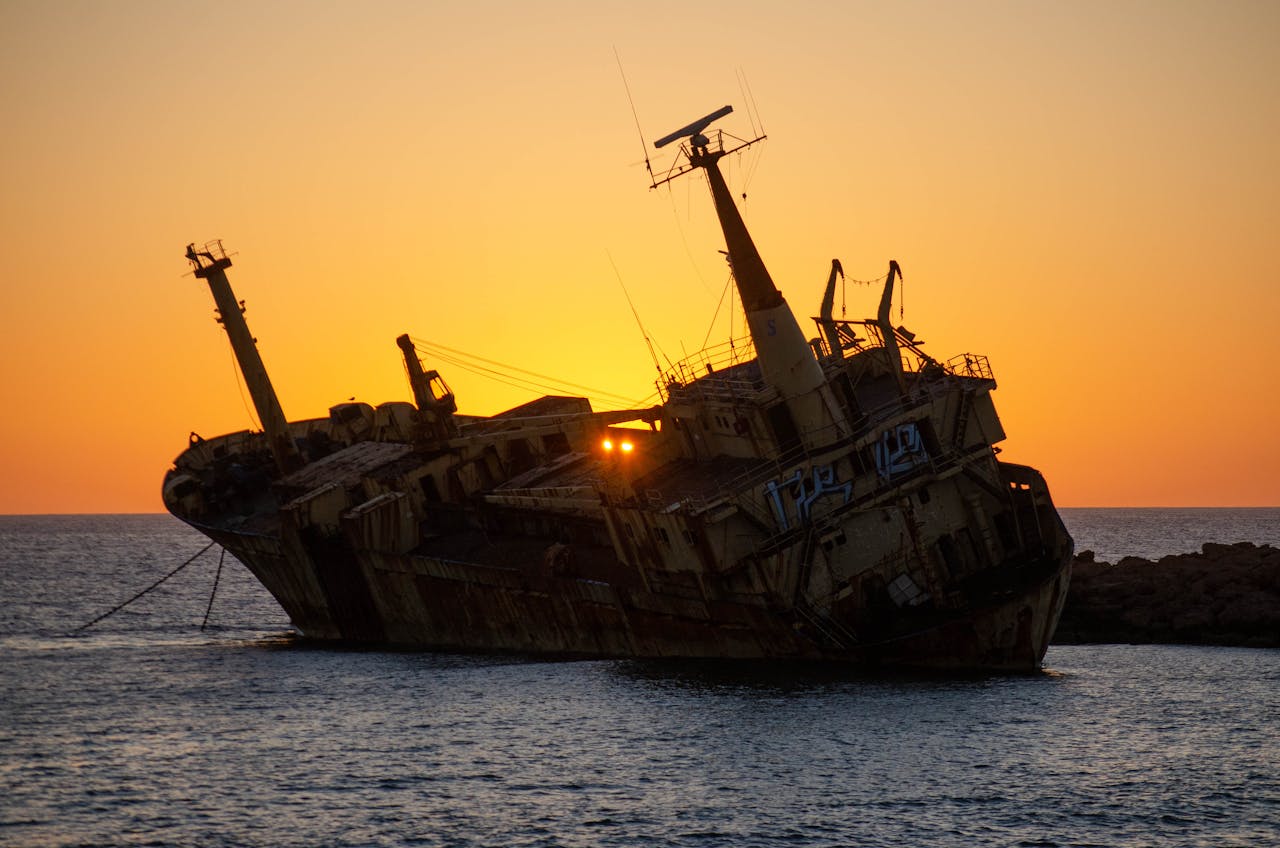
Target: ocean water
(1155, 532)
(146, 730)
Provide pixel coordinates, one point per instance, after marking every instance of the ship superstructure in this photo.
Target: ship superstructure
(836, 497)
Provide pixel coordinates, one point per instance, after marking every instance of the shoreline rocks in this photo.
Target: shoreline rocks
(1222, 595)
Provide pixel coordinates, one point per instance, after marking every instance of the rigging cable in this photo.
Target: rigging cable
(497, 376)
(844, 281)
(752, 101)
(235, 369)
(684, 241)
(116, 609)
(732, 292)
(742, 88)
(556, 384)
(902, 295)
(643, 147)
(460, 359)
(657, 365)
(757, 124)
(710, 329)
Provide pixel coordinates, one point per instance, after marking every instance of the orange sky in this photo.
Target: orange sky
(1088, 193)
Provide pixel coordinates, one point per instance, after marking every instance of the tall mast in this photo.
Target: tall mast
(210, 265)
(786, 360)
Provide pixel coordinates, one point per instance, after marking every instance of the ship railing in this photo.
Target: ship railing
(712, 373)
(202, 453)
(713, 389)
(969, 365)
(914, 359)
(848, 333)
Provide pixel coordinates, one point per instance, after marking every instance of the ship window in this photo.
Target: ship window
(438, 389)
(690, 537)
(830, 540)
(924, 496)
(631, 531)
(661, 535)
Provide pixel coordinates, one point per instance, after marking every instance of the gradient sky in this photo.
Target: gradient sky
(1086, 192)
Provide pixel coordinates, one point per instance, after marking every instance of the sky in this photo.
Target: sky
(1088, 193)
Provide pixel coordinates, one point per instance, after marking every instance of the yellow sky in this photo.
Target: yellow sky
(1088, 193)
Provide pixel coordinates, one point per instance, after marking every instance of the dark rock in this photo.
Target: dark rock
(1222, 595)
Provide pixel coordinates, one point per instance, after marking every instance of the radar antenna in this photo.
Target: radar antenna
(696, 153)
(694, 130)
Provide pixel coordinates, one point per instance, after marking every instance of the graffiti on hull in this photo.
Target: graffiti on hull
(804, 492)
(899, 450)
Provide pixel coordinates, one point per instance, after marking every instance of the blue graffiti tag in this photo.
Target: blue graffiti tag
(771, 490)
(805, 493)
(900, 449)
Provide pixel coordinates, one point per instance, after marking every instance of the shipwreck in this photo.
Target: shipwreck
(834, 497)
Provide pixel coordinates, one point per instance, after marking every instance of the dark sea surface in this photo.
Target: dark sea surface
(146, 730)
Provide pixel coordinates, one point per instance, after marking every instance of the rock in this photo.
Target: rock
(1222, 595)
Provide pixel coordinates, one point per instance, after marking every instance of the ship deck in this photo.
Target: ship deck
(698, 481)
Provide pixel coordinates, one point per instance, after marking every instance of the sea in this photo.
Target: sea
(193, 716)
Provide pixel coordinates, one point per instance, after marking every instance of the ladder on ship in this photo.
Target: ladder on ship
(831, 630)
(962, 417)
(835, 633)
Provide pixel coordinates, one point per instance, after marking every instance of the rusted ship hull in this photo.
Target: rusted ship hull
(417, 602)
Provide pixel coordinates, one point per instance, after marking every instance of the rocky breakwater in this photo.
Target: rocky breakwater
(1223, 595)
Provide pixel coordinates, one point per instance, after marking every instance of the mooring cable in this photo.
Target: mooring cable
(145, 591)
(216, 577)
